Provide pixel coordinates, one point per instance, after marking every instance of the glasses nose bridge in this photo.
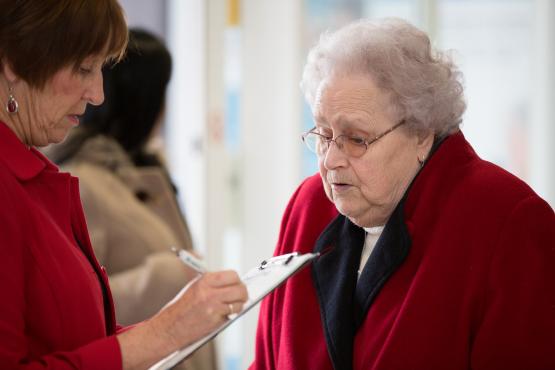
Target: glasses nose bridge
(338, 157)
(338, 141)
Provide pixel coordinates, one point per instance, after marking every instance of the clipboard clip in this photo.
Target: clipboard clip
(278, 260)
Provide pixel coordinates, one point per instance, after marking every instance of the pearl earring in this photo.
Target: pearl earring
(421, 161)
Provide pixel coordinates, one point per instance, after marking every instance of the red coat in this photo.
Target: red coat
(463, 277)
(56, 310)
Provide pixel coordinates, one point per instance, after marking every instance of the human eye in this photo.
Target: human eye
(355, 140)
(85, 70)
(325, 137)
(89, 65)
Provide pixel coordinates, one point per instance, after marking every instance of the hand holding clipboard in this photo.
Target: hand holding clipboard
(260, 281)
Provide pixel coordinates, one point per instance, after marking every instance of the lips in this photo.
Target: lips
(337, 180)
(74, 118)
(338, 183)
(339, 188)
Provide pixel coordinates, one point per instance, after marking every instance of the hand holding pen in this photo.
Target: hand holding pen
(196, 264)
(199, 308)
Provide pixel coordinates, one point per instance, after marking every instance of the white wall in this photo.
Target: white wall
(271, 116)
(147, 14)
(235, 198)
(542, 140)
(185, 130)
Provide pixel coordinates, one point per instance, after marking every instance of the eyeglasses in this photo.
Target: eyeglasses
(353, 146)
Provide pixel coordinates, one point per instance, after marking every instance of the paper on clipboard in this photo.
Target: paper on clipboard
(260, 281)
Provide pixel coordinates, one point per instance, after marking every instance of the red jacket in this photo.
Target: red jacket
(56, 310)
(463, 277)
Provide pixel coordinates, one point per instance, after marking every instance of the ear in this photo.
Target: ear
(8, 72)
(424, 144)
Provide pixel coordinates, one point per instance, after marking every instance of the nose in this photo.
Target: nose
(334, 157)
(95, 92)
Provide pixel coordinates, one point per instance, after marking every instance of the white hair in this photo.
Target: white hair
(424, 85)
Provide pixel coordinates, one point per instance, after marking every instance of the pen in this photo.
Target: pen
(190, 260)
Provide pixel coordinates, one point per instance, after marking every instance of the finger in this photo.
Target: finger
(236, 293)
(221, 278)
(236, 307)
(227, 309)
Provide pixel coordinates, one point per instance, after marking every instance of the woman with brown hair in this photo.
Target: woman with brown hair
(57, 310)
(128, 196)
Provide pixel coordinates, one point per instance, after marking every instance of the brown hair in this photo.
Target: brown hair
(40, 37)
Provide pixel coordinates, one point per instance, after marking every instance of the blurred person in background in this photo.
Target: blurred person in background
(431, 258)
(57, 310)
(129, 200)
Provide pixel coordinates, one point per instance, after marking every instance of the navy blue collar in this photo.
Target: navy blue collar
(343, 301)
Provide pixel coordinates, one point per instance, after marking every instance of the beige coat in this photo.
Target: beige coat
(132, 237)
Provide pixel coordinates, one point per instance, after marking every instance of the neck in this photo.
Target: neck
(13, 126)
(374, 229)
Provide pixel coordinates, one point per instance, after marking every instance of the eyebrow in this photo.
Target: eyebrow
(356, 124)
(319, 119)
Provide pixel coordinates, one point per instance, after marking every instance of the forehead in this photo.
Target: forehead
(348, 96)
(100, 58)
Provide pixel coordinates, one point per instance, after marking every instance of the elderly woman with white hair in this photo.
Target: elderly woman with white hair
(431, 258)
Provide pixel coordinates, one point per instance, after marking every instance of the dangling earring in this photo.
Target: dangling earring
(12, 106)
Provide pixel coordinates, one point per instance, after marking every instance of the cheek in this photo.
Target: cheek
(68, 90)
(388, 179)
(374, 179)
(323, 173)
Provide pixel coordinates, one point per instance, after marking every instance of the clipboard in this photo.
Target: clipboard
(260, 281)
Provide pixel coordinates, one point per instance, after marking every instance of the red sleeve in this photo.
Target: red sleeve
(307, 214)
(100, 354)
(518, 327)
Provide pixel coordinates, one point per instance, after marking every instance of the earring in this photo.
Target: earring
(420, 161)
(12, 106)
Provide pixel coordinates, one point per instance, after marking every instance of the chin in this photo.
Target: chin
(51, 140)
(359, 221)
(361, 218)
(58, 136)
(363, 222)
(57, 139)
(346, 211)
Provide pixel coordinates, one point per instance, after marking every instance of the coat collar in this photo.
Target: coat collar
(453, 151)
(25, 163)
(334, 275)
(343, 300)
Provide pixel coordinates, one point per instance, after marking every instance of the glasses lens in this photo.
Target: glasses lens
(352, 146)
(315, 143)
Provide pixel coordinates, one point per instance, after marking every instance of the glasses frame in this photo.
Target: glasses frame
(328, 141)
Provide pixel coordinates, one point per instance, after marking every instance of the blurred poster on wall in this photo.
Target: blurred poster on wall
(493, 47)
